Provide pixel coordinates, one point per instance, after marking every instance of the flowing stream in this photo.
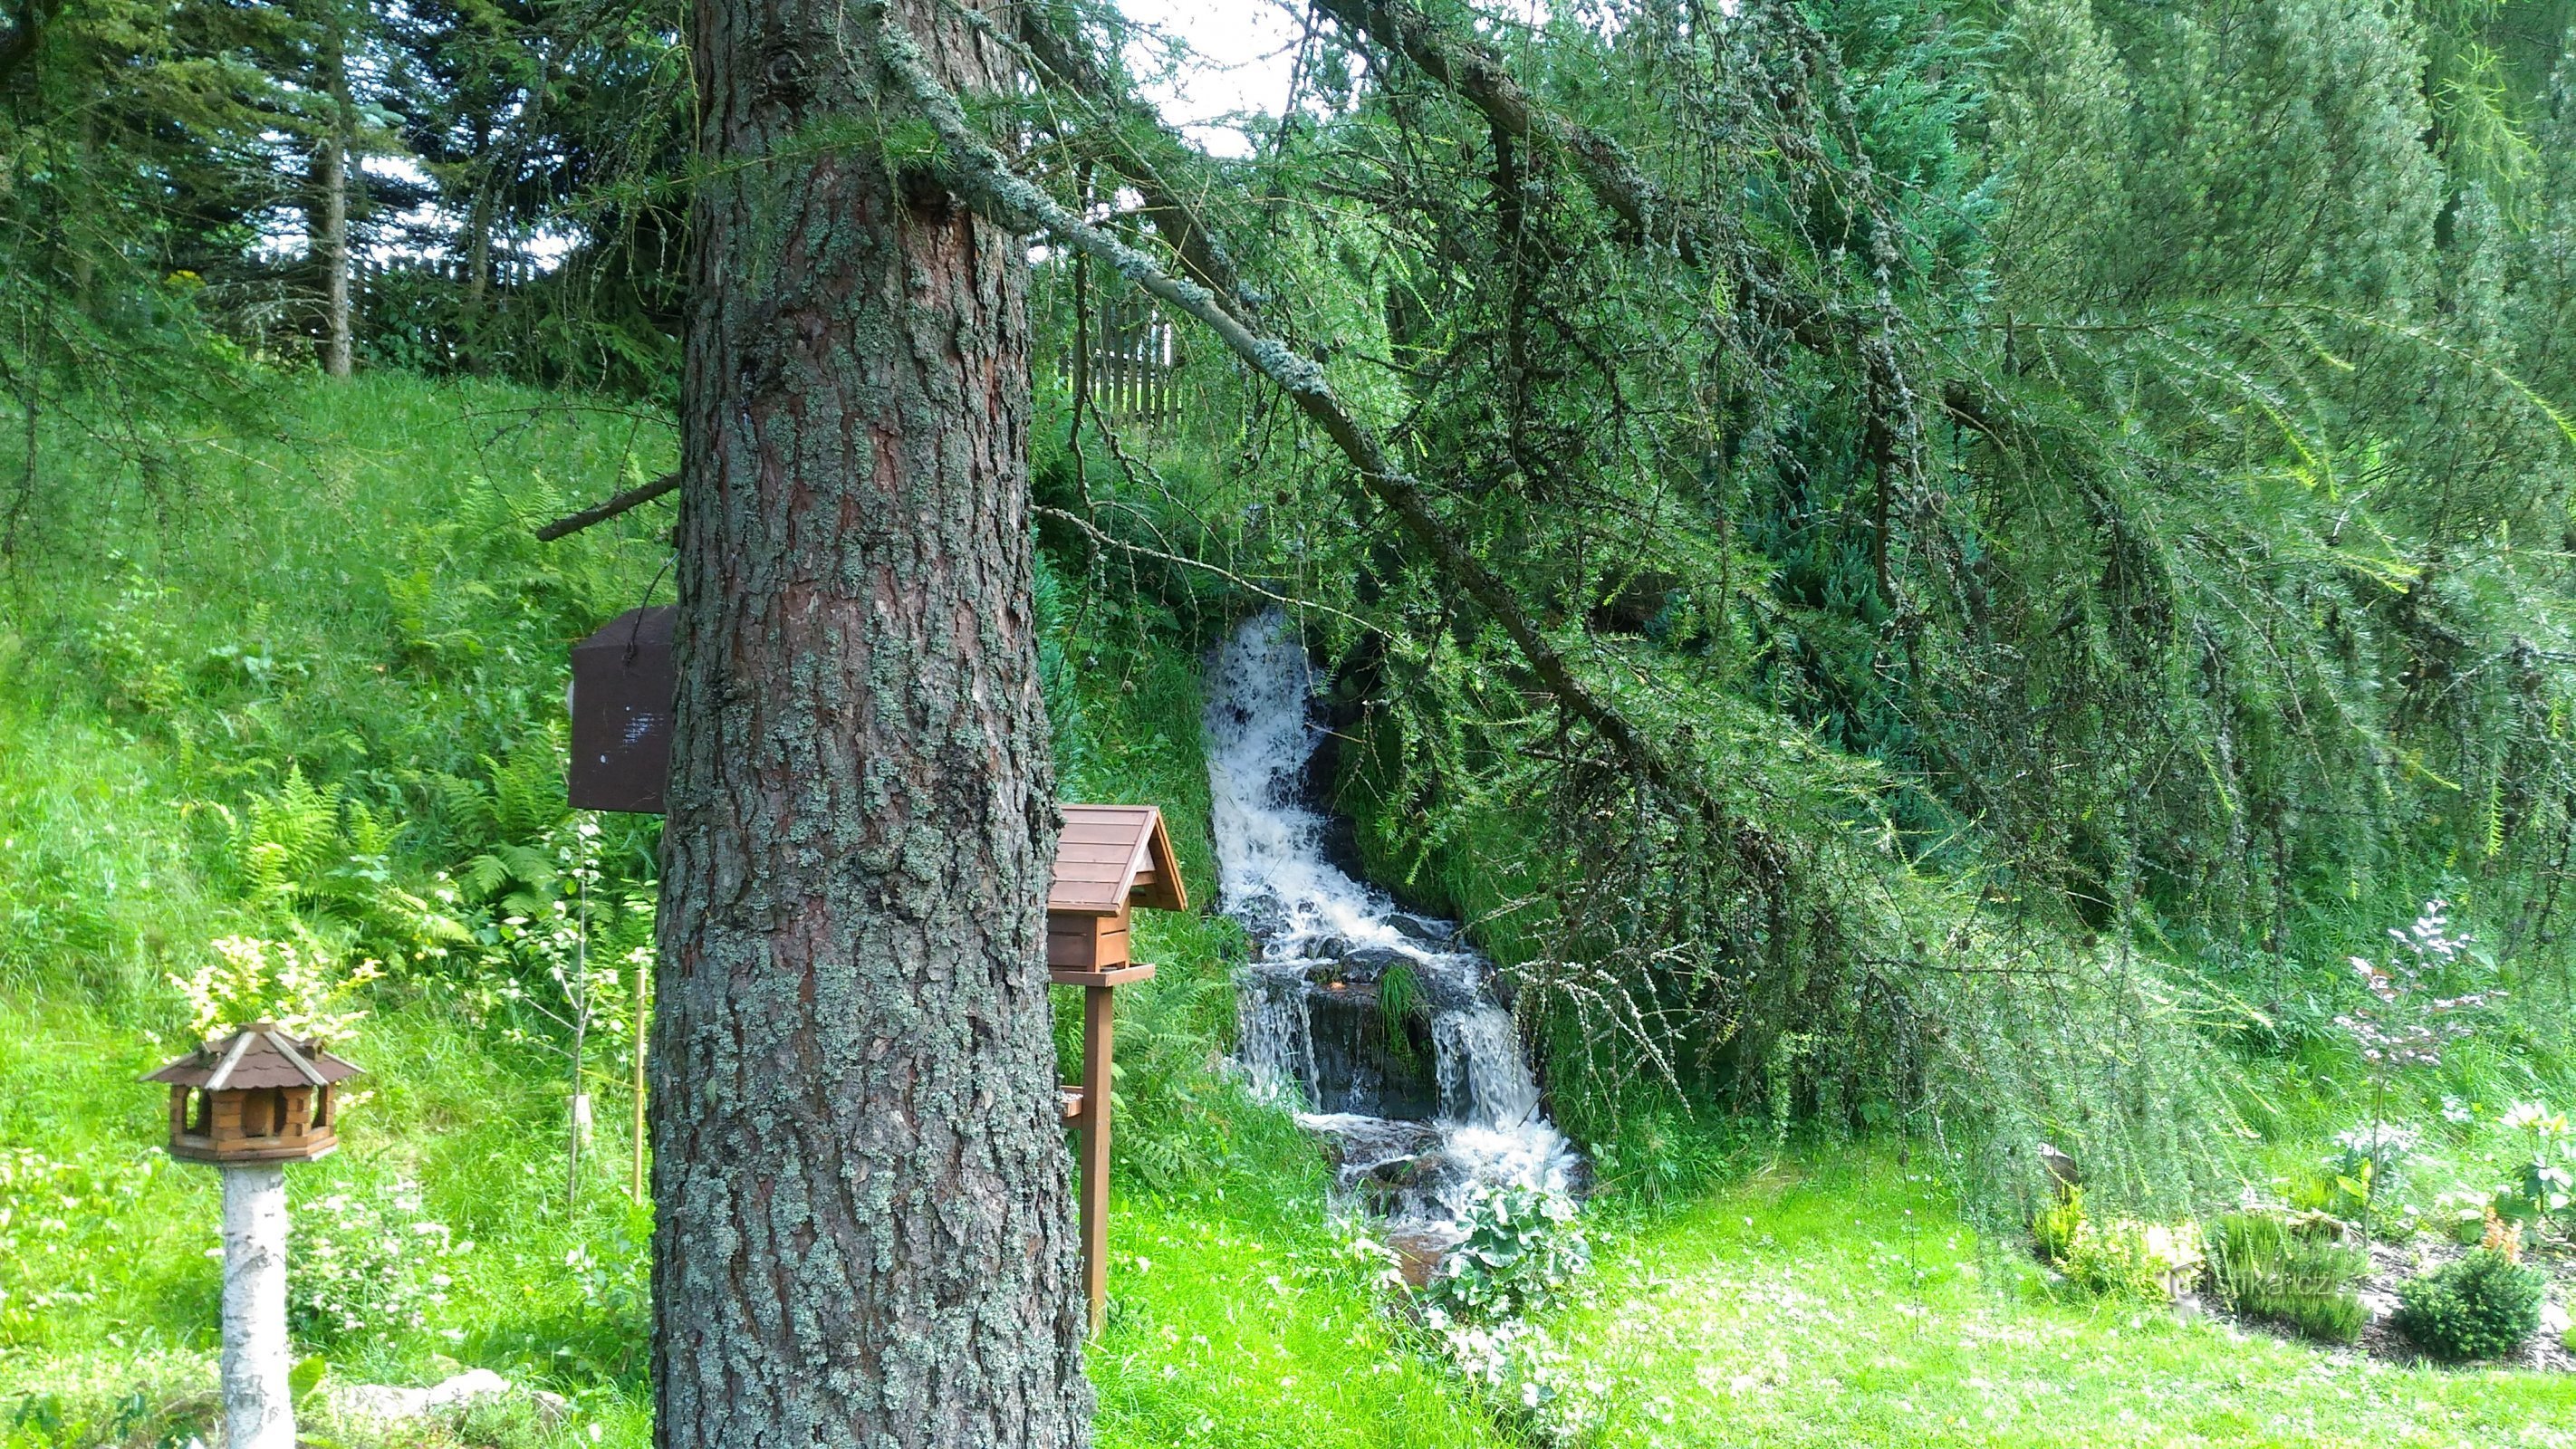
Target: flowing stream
(1384, 1026)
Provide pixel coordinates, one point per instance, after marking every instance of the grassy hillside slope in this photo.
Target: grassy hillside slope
(305, 689)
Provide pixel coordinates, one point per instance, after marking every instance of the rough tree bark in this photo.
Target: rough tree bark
(864, 1231)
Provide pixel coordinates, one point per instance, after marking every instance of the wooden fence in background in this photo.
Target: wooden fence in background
(1134, 361)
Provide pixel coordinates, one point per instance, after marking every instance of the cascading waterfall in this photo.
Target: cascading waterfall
(1383, 1024)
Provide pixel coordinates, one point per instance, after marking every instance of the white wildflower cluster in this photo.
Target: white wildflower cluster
(1550, 1395)
(367, 1266)
(1385, 1264)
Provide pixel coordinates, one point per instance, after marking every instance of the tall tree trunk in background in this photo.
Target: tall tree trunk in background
(335, 198)
(863, 1232)
(478, 250)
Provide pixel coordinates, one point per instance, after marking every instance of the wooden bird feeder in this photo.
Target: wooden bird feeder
(249, 1104)
(258, 1095)
(623, 683)
(1110, 860)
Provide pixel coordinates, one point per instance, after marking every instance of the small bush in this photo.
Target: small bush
(2055, 1228)
(2266, 1268)
(2482, 1306)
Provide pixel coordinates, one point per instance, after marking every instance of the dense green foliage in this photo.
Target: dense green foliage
(159, 701)
(2055, 513)
(2054, 516)
(328, 714)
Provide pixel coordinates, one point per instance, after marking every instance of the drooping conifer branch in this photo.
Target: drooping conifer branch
(984, 180)
(1143, 150)
(1648, 215)
(1479, 77)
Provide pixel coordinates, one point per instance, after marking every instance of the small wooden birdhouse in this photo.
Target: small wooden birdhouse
(1110, 859)
(623, 685)
(258, 1095)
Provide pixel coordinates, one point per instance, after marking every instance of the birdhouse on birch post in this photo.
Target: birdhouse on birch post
(258, 1095)
(249, 1104)
(1109, 860)
(623, 685)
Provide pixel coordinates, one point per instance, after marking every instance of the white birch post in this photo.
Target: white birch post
(259, 1410)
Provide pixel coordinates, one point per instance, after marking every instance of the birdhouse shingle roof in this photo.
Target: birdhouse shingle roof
(1112, 856)
(259, 1055)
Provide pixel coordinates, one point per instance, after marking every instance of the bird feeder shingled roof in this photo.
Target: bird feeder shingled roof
(259, 1055)
(258, 1095)
(1111, 857)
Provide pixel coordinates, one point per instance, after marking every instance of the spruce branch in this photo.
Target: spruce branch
(984, 180)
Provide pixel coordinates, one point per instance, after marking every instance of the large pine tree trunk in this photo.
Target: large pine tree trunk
(863, 1228)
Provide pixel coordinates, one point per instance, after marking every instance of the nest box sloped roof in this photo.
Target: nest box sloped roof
(1111, 857)
(259, 1055)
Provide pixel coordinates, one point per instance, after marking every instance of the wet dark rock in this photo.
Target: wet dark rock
(1365, 1144)
(1371, 963)
(1264, 921)
(1425, 929)
(1361, 1062)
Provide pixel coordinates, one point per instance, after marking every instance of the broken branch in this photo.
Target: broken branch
(600, 513)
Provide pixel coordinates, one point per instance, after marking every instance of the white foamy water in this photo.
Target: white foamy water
(1413, 1133)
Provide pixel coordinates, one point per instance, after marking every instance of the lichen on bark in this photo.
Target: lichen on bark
(864, 1233)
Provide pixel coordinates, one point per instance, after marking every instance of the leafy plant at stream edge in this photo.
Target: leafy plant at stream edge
(1524, 1247)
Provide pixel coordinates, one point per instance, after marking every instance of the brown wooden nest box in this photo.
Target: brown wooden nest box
(1110, 859)
(258, 1095)
(623, 684)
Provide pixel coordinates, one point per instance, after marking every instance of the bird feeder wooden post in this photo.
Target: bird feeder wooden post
(249, 1104)
(1110, 859)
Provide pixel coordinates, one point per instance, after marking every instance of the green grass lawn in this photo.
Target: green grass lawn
(1830, 1301)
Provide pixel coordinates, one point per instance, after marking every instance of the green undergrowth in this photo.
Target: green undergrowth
(270, 685)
